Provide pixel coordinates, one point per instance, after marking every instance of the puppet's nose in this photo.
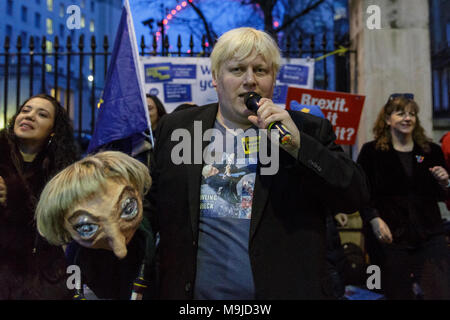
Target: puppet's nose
(117, 242)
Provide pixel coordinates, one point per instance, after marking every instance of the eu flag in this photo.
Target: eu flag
(123, 112)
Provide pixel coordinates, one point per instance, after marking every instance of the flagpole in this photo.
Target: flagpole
(123, 114)
(138, 66)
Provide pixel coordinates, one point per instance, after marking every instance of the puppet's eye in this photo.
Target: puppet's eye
(86, 230)
(129, 209)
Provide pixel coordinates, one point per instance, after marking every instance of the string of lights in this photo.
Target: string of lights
(171, 15)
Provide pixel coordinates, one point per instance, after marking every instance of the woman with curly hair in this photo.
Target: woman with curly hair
(403, 227)
(37, 143)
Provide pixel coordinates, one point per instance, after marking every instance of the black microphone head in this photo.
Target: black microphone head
(251, 101)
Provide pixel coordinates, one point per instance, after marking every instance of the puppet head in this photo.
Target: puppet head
(96, 201)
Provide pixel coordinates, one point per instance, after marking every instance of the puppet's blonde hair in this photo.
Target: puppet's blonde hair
(81, 180)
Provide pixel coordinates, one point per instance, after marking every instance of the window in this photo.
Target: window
(9, 30)
(23, 36)
(61, 10)
(58, 92)
(92, 6)
(49, 26)
(49, 47)
(448, 31)
(9, 7)
(37, 20)
(24, 13)
(83, 21)
(50, 5)
(91, 26)
(61, 30)
(83, 3)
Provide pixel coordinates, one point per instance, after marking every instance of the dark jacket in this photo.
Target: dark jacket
(111, 278)
(408, 206)
(30, 268)
(445, 145)
(287, 240)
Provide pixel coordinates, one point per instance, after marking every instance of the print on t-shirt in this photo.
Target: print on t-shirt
(227, 188)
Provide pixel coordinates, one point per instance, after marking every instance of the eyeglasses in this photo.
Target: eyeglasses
(409, 96)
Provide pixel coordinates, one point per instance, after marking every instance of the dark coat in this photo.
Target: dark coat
(30, 268)
(111, 278)
(408, 206)
(445, 145)
(287, 240)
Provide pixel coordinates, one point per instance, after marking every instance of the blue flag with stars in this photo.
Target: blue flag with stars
(123, 113)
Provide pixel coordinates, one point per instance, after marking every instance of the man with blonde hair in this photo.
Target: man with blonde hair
(270, 243)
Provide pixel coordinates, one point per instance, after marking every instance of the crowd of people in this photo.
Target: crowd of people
(222, 229)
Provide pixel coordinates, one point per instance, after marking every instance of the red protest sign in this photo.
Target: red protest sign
(342, 109)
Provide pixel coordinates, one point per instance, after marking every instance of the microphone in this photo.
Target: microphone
(251, 100)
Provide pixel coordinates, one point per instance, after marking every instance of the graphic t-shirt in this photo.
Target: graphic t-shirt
(223, 264)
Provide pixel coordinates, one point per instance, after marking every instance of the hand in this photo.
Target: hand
(267, 113)
(440, 174)
(381, 230)
(2, 192)
(342, 219)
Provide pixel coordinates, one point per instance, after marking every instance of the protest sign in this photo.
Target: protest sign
(342, 109)
(177, 80)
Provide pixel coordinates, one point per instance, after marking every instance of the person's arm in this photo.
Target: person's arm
(369, 214)
(327, 170)
(323, 166)
(440, 173)
(365, 160)
(342, 219)
(381, 230)
(3, 192)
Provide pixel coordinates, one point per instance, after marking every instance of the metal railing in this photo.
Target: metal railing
(81, 95)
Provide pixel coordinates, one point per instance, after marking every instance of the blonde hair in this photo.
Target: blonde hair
(82, 180)
(241, 43)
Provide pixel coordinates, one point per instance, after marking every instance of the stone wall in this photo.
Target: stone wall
(394, 58)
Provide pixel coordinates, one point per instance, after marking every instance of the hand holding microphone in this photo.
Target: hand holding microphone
(251, 100)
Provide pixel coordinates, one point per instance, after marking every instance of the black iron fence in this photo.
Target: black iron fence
(74, 73)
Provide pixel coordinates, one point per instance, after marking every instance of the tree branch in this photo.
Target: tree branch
(210, 34)
(298, 15)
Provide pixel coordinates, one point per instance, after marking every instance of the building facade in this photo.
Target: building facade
(49, 24)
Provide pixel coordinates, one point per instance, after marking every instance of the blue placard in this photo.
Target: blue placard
(184, 71)
(158, 72)
(294, 74)
(175, 92)
(279, 94)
